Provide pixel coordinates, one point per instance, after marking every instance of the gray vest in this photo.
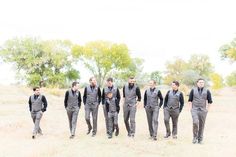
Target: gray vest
(173, 99)
(130, 95)
(114, 91)
(73, 100)
(112, 104)
(152, 97)
(92, 95)
(37, 104)
(199, 100)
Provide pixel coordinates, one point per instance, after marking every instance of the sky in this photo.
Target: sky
(157, 31)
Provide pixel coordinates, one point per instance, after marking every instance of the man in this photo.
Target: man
(115, 94)
(130, 94)
(112, 108)
(91, 99)
(37, 105)
(173, 105)
(72, 103)
(200, 101)
(151, 97)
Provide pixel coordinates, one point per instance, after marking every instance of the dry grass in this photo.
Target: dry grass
(16, 127)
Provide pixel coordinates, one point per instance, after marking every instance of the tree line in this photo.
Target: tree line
(54, 63)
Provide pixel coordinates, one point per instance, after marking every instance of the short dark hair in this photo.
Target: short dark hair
(131, 77)
(35, 88)
(176, 83)
(90, 79)
(74, 83)
(110, 79)
(200, 79)
(155, 82)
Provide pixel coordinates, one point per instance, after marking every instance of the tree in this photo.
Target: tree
(101, 57)
(134, 69)
(231, 79)
(217, 81)
(201, 64)
(157, 76)
(189, 77)
(38, 61)
(174, 70)
(188, 72)
(228, 51)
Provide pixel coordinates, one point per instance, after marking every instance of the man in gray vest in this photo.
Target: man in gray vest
(37, 105)
(72, 103)
(112, 108)
(199, 101)
(173, 105)
(92, 99)
(151, 105)
(115, 94)
(130, 94)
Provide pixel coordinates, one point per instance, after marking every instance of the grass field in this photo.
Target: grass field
(16, 128)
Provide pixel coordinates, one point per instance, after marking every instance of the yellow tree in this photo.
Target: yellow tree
(228, 51)
(217, 81)
(100, 57)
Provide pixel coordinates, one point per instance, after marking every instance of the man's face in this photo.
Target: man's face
(93, 82)
(76, 87)
(151, 84)
(109, 83)
(174, 87)
(131, 82)
(37, 91)
(201, 83)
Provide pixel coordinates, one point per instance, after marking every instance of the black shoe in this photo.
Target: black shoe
(194, 140)
(117, 132)
(94, 134)
(129, 135)
(109, 136)
(174, 136)
(72, 136)
(200, 142)
(132, 135)
(89, 130)
(33, 137)
(167, 136)
(155, 138)
(40, 133)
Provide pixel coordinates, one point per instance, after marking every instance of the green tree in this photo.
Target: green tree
(134, 69)
(231, 79)
(217, 80)
(101, 57)
(189, 77)
(39, 61)
(228, 51)
(157, 76)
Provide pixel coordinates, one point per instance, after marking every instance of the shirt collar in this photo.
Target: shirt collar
(152, 89)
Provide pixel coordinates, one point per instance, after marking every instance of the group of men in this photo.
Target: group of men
(199, 101)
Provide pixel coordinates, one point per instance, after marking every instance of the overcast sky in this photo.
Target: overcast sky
(155, 30)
